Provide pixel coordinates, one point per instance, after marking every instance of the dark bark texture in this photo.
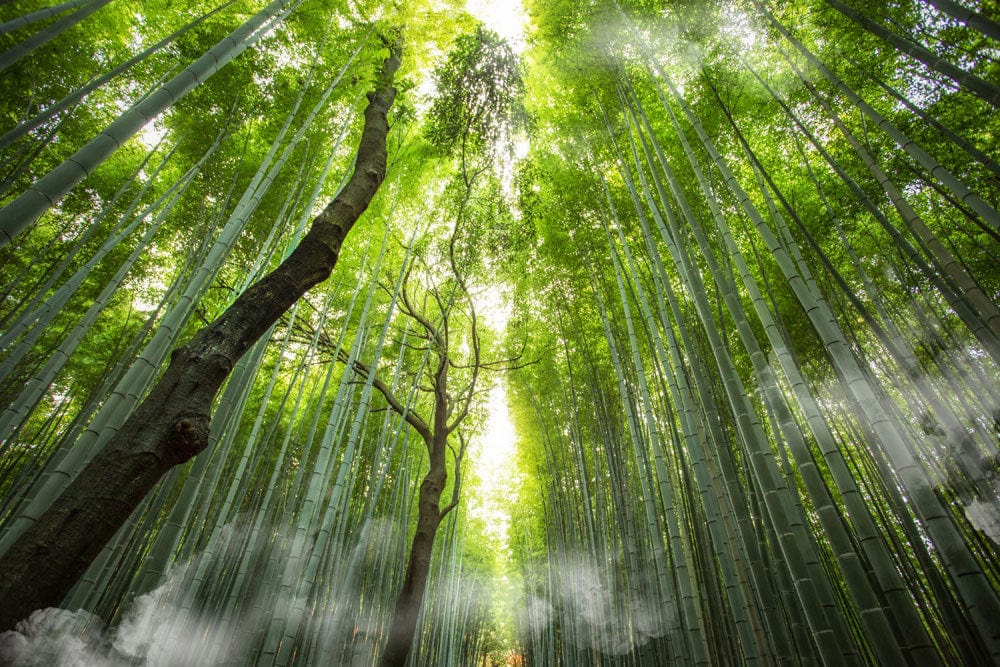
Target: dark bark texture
(411, 595)
(448, 413)
(429, 515)
(171, 425)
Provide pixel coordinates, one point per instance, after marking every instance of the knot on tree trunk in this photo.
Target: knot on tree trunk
(188, 437)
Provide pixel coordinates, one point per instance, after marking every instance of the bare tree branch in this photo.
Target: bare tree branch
(410, 311)
(456, 489)
(411, 417)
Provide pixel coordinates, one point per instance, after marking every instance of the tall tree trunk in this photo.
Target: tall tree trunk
(971, 18)
(411, 597)
(46, 35)
(17, 215)
(977, 86)
(403, 625)
(47, 114)
(40, 15)
(172, 423)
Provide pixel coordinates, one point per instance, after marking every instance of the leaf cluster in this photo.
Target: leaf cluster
(479, 90)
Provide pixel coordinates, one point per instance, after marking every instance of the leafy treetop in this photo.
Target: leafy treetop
(479, 88)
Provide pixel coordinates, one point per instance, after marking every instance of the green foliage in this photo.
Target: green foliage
(477, 106)
(682, 495)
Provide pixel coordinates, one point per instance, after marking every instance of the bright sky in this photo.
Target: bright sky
(492, 454)
(493, 308)
(504, 17)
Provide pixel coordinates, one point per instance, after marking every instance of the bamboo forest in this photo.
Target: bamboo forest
(512, 332)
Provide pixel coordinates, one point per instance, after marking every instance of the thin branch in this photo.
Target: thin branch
(410, 311)
(411, 417)
(457, 487)
(507, 364)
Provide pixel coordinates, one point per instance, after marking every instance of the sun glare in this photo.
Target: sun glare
(738, 28)
(493, 462)
(492, 307)
(151, 134)
(504, 17)
(492, 453)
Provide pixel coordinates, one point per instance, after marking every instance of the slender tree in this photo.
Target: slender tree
(473, 115)
(449, 408)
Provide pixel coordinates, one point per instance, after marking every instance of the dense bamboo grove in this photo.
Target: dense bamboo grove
(733, 266)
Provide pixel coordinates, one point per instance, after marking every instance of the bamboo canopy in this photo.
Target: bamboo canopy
(517, 333)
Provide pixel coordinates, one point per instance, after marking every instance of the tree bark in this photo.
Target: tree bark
(411, 595)
(172, 423)
(403, 626)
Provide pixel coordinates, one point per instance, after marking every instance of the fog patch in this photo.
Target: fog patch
(985, 516)
(156, 631)
(597, 607)
(55, 637)
(199, 617)
(950, 425)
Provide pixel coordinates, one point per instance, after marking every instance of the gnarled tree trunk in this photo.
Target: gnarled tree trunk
(172, 423)
(411, 595)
